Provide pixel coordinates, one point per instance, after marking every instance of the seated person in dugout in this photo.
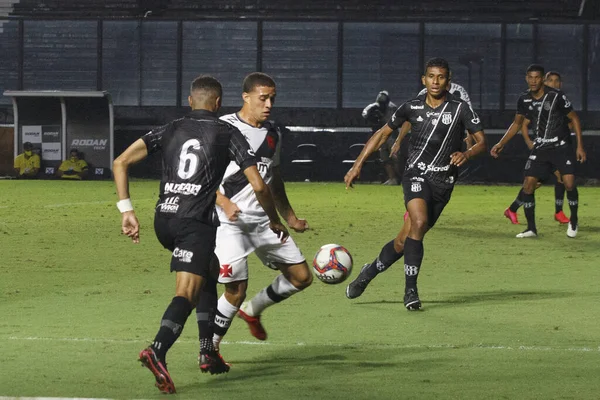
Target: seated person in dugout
(27, 164)
(74, 168)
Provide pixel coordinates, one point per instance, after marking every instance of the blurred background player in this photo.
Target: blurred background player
(377, 114)
(74, 168)
(552, 79)
(27, 164)
(244, 223)
(549, 111)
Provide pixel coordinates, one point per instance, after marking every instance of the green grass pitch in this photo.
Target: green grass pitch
(503, 318)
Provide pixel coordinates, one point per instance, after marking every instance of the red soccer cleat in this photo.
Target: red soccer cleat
(512, 216)
(256, 328)
(561, 217)
(164, 383)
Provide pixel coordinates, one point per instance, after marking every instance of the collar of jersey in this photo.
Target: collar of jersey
(197, 114)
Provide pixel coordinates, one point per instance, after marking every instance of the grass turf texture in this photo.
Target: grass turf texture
(503, 318)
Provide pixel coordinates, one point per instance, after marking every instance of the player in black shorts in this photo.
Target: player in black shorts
(196, 150)
(438, 121)
(548, 111)
(552, 79)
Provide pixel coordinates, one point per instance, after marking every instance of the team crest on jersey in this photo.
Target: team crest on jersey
(271, 142)
(547, 106)
(446, 118)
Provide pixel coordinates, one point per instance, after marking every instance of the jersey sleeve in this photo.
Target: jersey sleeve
(470, 119)
(240, 151)
(564, 105)
(422, 92)
(153, 139)
(18, 161)
(463, 94)
(277, 155)
(399, 116)
(521, 107)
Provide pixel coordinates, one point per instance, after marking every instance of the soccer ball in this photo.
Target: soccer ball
(332, 263)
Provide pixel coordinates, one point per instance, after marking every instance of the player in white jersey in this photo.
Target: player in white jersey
(244, 225)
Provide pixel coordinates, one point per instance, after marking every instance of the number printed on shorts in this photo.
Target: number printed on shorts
(188, 161)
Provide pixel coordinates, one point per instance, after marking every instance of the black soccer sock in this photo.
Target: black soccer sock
(205, 314)
(413, 257)
(171, 325)
(573, 198)
(559, 195)
(529, 207)
(517, 203)
(386, 258)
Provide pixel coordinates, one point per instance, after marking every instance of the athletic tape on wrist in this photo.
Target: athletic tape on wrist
(124, 205)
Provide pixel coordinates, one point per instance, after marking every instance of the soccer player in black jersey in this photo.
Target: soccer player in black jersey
(549, 111)
(552, 79)
(438, 122)
(196, 151)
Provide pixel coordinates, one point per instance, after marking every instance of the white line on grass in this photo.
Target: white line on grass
(393, 346)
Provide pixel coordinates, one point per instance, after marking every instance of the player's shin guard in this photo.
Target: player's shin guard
(529, 208)
(386, 258)
(225, 313)
(276, 292)
(573, 198)
(517, 203)
(205, 314)
(171, 325)
(413, 257)
(559, 195)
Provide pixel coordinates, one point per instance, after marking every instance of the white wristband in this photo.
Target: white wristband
(124, 205)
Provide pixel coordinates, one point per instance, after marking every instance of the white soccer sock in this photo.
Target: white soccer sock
(225, 313)
(278, 291)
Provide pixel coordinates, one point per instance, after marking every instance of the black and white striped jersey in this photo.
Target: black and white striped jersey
(265, 141)
(196, 151)
(548, 116)
(436, 134)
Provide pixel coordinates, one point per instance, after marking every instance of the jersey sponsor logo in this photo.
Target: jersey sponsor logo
(432, 113)
(417, 107)
(226, 271)
(532, 157)
(446, 118)
(432, 168)
(567, 102)
(182, 188)
(542, 140)
(170, 205)
(97, 144)
(182, 255)
(527, 100)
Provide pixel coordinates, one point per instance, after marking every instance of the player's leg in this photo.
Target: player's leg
(511, 211)
(389, 254)
(559, 196)
(573, 199)
(295, 276)
(413, 250)
(529, 187)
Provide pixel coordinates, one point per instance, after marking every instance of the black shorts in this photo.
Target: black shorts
(542, 163)
(436, 197)
(191, 241)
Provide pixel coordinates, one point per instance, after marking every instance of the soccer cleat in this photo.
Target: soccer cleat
(164, 383)
(572, 232)
(256, 328)
(390, 182)
(411, 300)
(213, 362)
(561, 217)
(512, 216)
(527, 234)
(359, 284)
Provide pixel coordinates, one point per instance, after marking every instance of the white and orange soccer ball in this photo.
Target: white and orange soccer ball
(332, 263)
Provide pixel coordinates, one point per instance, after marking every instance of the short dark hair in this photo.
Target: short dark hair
(536, 68)
(207, 83)
(257, 79)
(437, 62)
(550, 73)
(27, 146)
(74, 151)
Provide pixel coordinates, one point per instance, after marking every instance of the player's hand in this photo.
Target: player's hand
(130, 226)
(580, 153)
(298, 224)
(351, 175)
(458, 158)
(231, 210)
(497, 149)
(280, 230)
(395, 148)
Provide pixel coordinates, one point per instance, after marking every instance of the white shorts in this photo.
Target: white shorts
(236, 242)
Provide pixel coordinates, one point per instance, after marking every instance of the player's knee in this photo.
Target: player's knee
(301, 279)
(235, 292)
(399, 244)
(419, 224)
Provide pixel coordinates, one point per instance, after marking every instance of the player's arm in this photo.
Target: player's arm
(525, 134)
(265, 198)
(480, 146)
(403, 132)
(230, 209)
(575, 122)
(135, 153)
(512, 130)
(283, 203)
